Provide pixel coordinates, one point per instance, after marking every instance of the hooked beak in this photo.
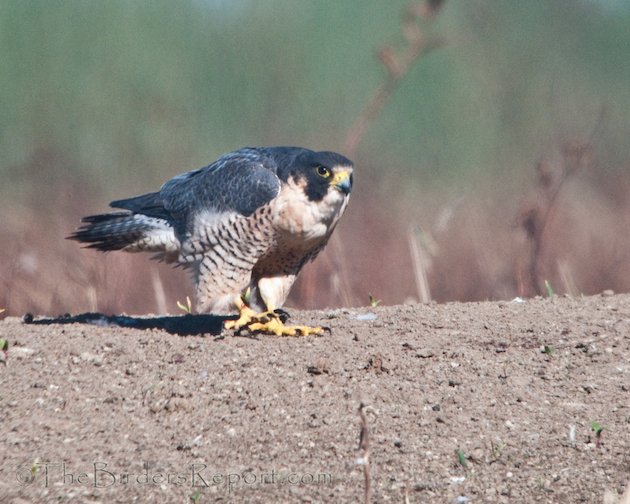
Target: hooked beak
(342, 180)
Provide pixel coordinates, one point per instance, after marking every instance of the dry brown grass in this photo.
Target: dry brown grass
(477, 252)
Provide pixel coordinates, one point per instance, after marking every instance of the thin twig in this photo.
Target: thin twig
(158, 289)
(535, 220)
(364, 446)
(420, 263)
(397, 66)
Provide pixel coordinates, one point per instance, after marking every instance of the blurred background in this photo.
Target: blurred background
(491, 139)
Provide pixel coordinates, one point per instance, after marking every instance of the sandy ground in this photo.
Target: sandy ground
(484, 402)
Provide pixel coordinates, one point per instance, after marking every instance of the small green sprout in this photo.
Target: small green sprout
(599, 430)
(373, 301)
(195, 497)
(497, 449)
(549, 350)
(461, 458)
(4, 350)
(187, 308)
(597, 427)
(549, 288)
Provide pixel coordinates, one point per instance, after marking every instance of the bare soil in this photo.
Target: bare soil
(479, 402)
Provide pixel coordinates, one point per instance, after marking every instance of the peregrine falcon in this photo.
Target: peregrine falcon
(244, 225)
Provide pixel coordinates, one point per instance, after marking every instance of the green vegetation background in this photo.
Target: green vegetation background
(131, 92)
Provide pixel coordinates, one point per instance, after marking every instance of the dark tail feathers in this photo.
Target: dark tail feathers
(113, 231)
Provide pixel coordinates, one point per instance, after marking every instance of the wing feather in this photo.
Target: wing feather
(241, 182)
(238, 182)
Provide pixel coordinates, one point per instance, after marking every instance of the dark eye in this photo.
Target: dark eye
(322, 171)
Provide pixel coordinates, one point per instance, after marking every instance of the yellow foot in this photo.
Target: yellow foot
(246, 316)
(270, 322)
(276, 326)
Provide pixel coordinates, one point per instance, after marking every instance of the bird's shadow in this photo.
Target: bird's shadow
(182, 325)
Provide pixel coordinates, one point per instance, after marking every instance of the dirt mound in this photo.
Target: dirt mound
(484, 402)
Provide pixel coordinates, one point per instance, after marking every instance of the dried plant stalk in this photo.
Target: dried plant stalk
(397, 63)
(364, 446)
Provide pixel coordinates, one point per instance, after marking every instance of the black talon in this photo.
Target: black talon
(282, 315)
(327, 330)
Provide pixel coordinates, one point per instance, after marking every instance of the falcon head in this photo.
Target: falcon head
(325, 173)
(319, 174)
(315, 191)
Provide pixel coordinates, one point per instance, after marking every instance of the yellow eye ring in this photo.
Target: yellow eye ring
(324, 172)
